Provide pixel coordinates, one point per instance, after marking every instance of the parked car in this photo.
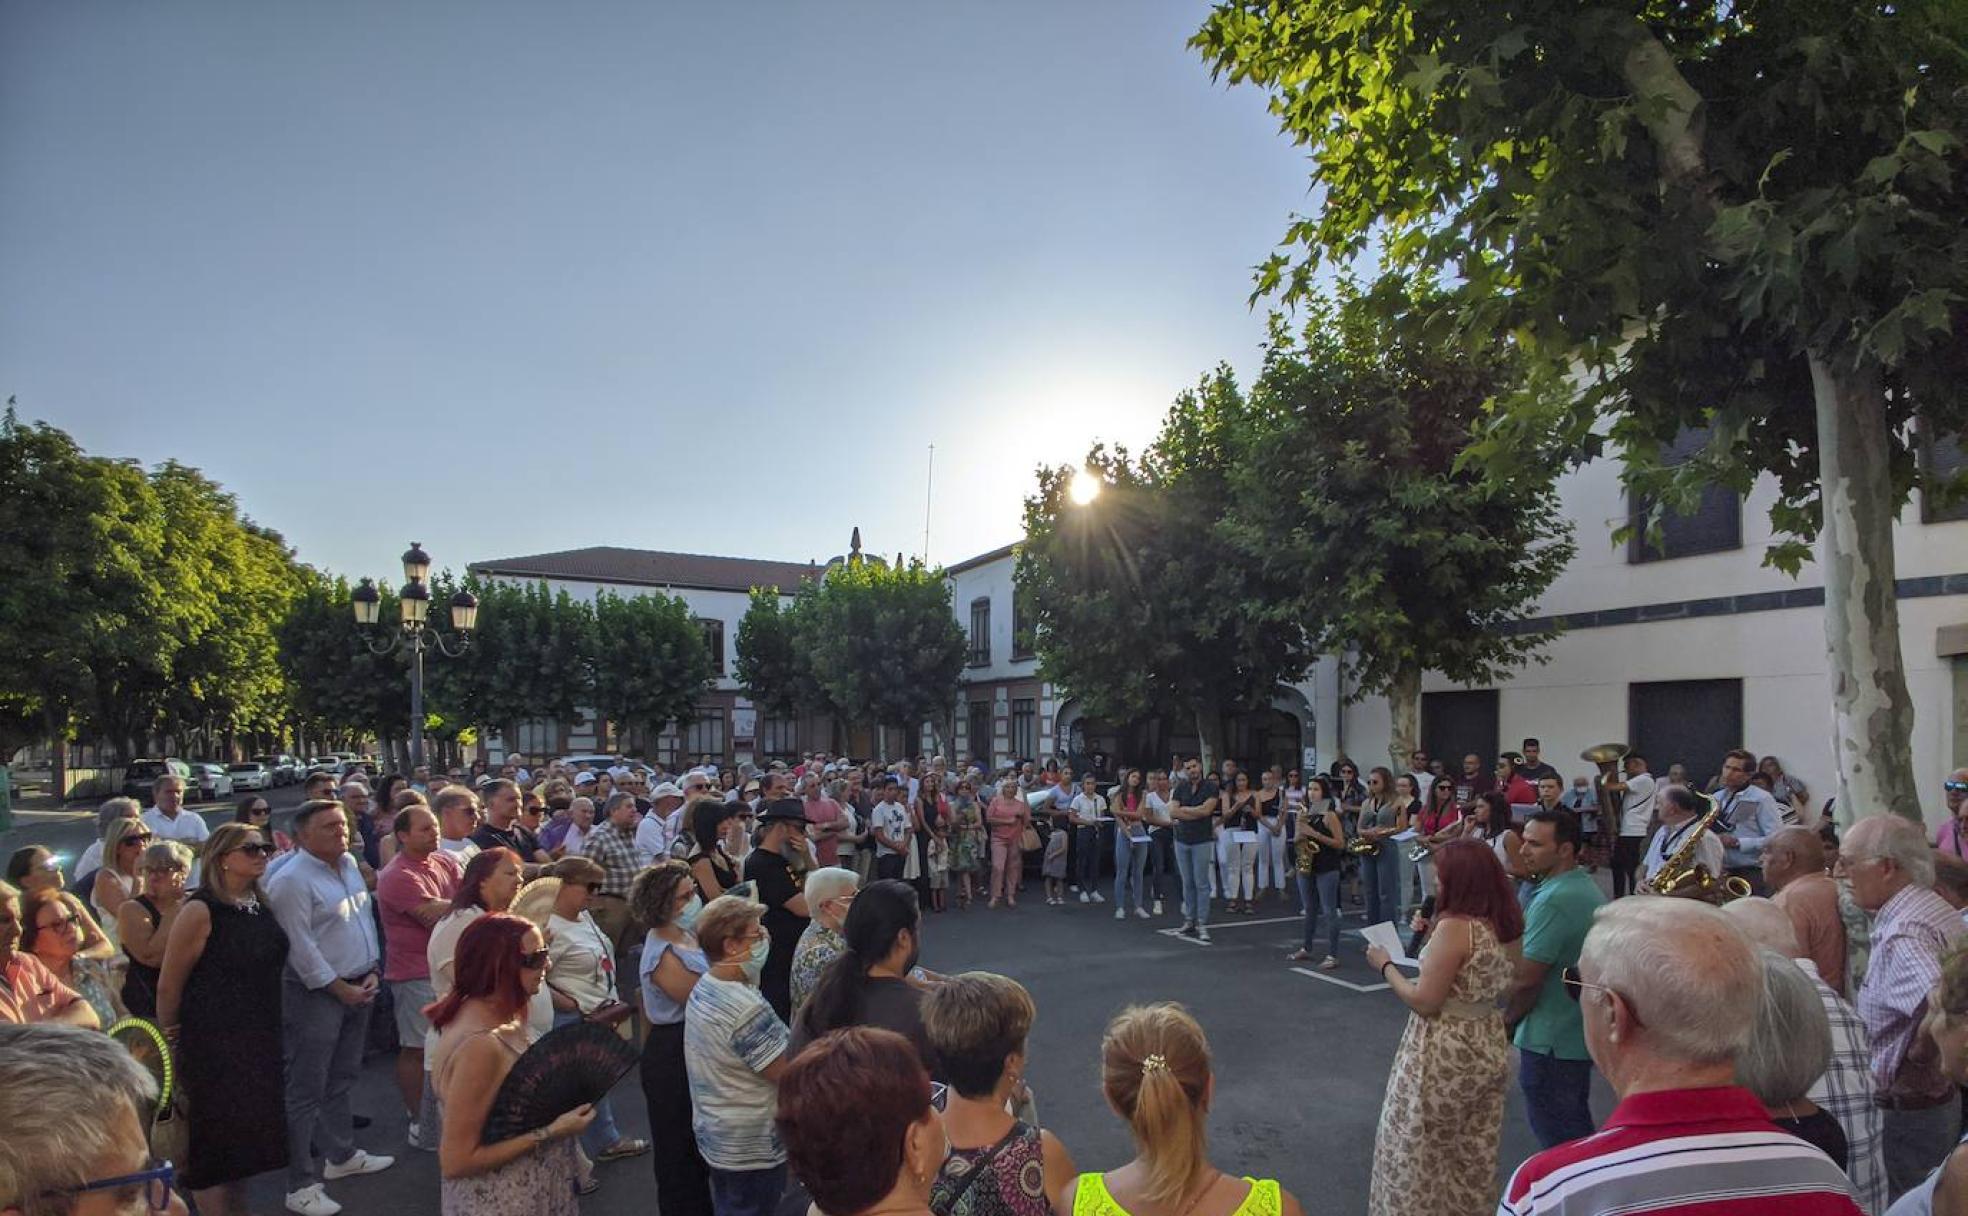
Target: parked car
(332, 765)
(250, 776)
(281, 768)
(140, 775)
(209, 781)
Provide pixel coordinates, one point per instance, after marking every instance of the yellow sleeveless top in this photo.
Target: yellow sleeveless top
(1090, 1198)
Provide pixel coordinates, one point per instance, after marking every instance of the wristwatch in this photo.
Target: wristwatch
(539, 1136)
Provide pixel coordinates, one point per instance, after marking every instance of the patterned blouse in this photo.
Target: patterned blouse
(818, 946)
(1011, 1181)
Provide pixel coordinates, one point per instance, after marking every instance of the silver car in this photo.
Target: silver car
(209, 781)
(250, 776)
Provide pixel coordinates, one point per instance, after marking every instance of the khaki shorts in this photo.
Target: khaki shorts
(411, 996)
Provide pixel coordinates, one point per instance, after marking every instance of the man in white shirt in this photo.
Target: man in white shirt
(457, 811)
(1635, 790)
(653, 837)
(1089, 808)
(893, 830)
(168, 820)
(328, 990)
(1679, 807)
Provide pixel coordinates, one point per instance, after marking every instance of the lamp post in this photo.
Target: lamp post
(417, 633)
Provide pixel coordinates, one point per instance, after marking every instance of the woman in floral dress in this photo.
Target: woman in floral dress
(969, 847)
(1436, 1151)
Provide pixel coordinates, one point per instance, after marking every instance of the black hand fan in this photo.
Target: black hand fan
(575, 1064)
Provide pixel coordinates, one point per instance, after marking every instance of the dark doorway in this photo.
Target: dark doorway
(979, 737)
(1454, 724)
(1686, 722)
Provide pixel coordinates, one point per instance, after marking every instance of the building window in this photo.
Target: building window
(778, 738)
(705, 735)
(713, 641)
(1686, 722)
(1459, 723)
(540, 737)
(979, 741)
(1024, 729)
(1941, 458)
(1714, 526)
(1023, 629)
(980, 632)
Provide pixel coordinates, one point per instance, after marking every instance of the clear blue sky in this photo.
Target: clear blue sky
(514, 277)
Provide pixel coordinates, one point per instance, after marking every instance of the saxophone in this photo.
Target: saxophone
(1681, 876)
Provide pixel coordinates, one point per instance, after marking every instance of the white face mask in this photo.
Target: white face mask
(687, 919)
(755, 965)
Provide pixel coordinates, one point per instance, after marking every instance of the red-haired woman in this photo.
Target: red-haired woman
(1436, 1150)
(500, 963)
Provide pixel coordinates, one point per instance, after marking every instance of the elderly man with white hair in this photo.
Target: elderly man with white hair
(1845, 1089)
(1669, 992)
(1886, 859)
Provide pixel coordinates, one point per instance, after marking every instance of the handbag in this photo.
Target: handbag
(1030, 842)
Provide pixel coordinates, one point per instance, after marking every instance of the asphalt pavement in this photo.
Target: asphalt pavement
(1301, 1056)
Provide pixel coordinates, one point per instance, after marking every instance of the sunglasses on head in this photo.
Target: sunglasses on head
(533, 960)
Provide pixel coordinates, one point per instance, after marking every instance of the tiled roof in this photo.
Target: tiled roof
(653, 568)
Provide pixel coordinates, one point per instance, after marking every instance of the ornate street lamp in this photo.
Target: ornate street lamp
(416, 632)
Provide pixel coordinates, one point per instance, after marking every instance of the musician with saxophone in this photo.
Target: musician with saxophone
(1318, 849)
(1681, 810)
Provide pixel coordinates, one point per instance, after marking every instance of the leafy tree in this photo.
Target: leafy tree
(336, 685)
(1139, 605)
(882, 643)
(1744, 217)
(1352, 491)
(772, 667)
(532, 656)
(650, 661)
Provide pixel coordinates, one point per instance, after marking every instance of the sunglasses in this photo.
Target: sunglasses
(533, 960)
(256, 850)
(1955, 787)
(134, 838)
(594, 888)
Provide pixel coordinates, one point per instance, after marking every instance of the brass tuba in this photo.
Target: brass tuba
(1681, 875)
(1607, 757)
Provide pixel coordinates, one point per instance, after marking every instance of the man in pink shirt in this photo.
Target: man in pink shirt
(1794, 868)
(823, 815)
(414, 891)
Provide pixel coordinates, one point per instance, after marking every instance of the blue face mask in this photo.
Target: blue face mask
(755, 965)
(687, 918)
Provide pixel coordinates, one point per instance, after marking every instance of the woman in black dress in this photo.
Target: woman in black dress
(218, 1000)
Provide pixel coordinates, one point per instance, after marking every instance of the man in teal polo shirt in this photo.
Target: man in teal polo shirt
(1555, 1071)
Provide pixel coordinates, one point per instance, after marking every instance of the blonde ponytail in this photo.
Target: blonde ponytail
(1155, 1068)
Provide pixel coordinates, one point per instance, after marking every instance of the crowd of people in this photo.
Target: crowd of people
(759, 935)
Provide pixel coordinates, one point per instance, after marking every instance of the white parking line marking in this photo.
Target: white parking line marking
(1333, 979)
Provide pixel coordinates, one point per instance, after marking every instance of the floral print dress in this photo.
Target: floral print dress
(1436, 1151)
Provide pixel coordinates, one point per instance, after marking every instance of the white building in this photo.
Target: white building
(1681, 655)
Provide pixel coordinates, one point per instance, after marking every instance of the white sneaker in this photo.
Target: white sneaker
(1158, 907)
(1099, 898)
(1202, 933)
(1120, 914)
(414, 1136)
(1084, 899)
(311, 1200)
(360, 1163)
(1139, 911)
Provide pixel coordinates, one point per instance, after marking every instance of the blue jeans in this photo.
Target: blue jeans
(1130, 861)
(1326, 886)
(1192, 863)
(1380, 874)
(1161, 860)
(602, 1132)
(747, 1192)
(1556, 1094)
(1087, 855)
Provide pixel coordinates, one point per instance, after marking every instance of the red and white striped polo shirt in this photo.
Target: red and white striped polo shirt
(1684, 1152)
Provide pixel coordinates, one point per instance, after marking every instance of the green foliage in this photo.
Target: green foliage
(1666, 208)
(1139, 605)
(134, 602)
(1351, 489)
(868, 644)
(532, 656)
(650, 661)
(337, 685)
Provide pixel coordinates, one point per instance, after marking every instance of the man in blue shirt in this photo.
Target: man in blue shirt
(1749, 818)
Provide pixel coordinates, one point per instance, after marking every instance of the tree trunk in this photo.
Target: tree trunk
(1871, 711)
(1404, 716)
(1209, 736)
